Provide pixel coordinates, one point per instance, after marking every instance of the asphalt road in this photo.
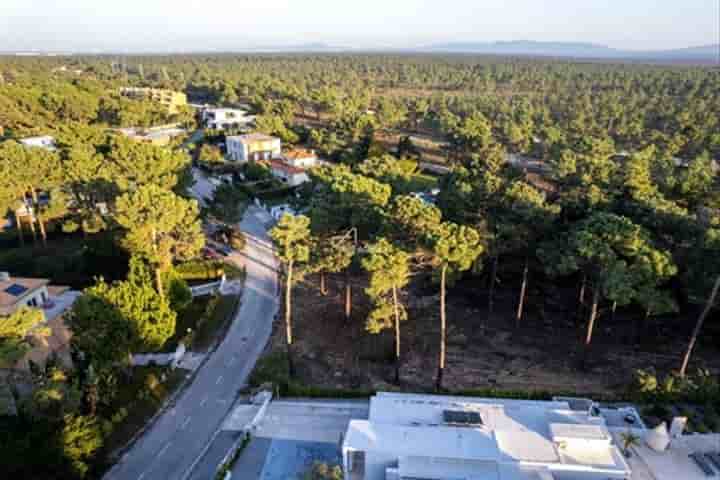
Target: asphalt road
(174, 443)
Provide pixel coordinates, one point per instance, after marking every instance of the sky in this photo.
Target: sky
(207, 25)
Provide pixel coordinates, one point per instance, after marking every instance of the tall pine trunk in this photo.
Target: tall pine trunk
(159, 283)
(323, 290)
(36, 211)
(581, 295)
(521, 300)
(18, 224)
(397, 335)
(593, 315)
(443, 331)
(288, 319)
(348, 294)
(698, 326)
(491, 290)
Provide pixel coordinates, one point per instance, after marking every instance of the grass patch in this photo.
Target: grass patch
(218, 317)
(422, 182)
(138, 399)
(201, 270)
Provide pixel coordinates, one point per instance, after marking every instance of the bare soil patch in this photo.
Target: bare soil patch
(545, 353)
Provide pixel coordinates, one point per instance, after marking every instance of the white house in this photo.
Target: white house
(293, 176)
(252, 147)
(224, 118)
(300, 158)
(433, 437)
(45, 141)
(52, 336)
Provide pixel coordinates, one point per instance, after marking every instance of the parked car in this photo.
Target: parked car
(225, 250)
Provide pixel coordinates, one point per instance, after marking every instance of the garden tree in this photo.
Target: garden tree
(389, 269)
(407, 149)
(229, 203)
(130, 311)
(388, 169)
(99, 328)
(24, 171)
(419, 109)
(136, 164)
(526, 220)
(211, 155)
(292, 239)
(704, 281)
(454, 248)
(81, 438)
(330, 255)
(616, 255)
(55, 395)
(159, 226)
(15, 330)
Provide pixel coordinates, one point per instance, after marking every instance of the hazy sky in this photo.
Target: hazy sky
(178, 25)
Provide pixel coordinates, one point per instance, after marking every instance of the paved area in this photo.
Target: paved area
(295, 434)
(202, 188)
(182, 434)
(313, 421)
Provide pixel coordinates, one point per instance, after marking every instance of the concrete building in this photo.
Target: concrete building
(45, 141)
(300, 158)
(225, 118)
(252, 147)
(171, 99)
(54, 301)
(433, 437)
(292, 176)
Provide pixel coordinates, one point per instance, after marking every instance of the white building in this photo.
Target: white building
(45, 141)
(49, 337)
(224, 118)
(300, 158)
(252, 147)
(428, 437)
(292, 176)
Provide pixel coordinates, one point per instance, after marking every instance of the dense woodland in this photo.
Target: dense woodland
(622, 200)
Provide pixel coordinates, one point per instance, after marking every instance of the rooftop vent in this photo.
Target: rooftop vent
(461, 418)
(4, 276)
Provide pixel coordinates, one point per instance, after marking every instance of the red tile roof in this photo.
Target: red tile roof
(289, 169)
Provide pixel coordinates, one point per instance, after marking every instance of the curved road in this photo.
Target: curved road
(176, 440)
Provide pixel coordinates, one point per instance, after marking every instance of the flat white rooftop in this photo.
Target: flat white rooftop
(524, 439)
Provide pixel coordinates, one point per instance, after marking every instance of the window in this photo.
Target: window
(356, 461)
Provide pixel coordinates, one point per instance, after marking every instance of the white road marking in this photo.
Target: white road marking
(164, 449)
(203, 401)
(185, 423)
(231, 361)
(219, 380)
(141, 476)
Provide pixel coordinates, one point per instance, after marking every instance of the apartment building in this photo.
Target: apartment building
(225, 118)
(171, 99)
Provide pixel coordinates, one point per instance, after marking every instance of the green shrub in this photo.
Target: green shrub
(201, 270)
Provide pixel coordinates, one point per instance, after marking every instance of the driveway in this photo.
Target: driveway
(179, 437)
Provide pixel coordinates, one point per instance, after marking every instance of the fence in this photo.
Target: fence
(208, 288)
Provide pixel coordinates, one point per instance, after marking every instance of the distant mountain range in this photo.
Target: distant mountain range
(577, 50)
